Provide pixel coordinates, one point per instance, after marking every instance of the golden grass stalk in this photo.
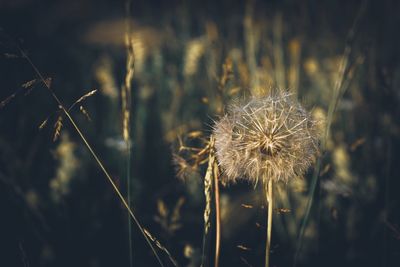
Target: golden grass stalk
(208, 195)
(93, 153)
(211, 182)
(126, 99)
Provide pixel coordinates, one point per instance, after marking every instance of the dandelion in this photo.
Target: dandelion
(272, 138)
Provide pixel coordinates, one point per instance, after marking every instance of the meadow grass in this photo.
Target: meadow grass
(213, 70)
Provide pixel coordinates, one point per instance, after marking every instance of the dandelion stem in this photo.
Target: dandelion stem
(217, 216)
(268, 191)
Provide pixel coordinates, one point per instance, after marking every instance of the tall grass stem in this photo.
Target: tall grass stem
(89, 147)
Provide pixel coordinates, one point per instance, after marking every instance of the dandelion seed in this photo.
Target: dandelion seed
(272, 137)
(7, 100)
(43, 124)
(243, 247)
(282, 210)
(8, 55)
(28, 84)
(160, 246)
(84, 112)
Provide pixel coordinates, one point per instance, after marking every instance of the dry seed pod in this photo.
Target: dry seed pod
(272, 137)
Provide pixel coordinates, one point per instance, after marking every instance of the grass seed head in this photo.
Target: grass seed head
(272, 137)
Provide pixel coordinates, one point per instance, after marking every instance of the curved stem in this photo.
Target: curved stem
(99, 162)
(116, 190)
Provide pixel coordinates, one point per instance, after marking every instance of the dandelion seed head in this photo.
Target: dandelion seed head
(272, 137)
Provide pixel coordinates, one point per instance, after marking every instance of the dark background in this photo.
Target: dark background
(84, 223)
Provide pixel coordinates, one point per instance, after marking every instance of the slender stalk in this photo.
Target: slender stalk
(217, 217)
(268, 190)
(208, 195)
(117, 191)
(338, 92)
(89, 147)
(128, 185)
(126, 111)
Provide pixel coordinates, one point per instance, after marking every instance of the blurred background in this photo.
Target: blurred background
(339, 58)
